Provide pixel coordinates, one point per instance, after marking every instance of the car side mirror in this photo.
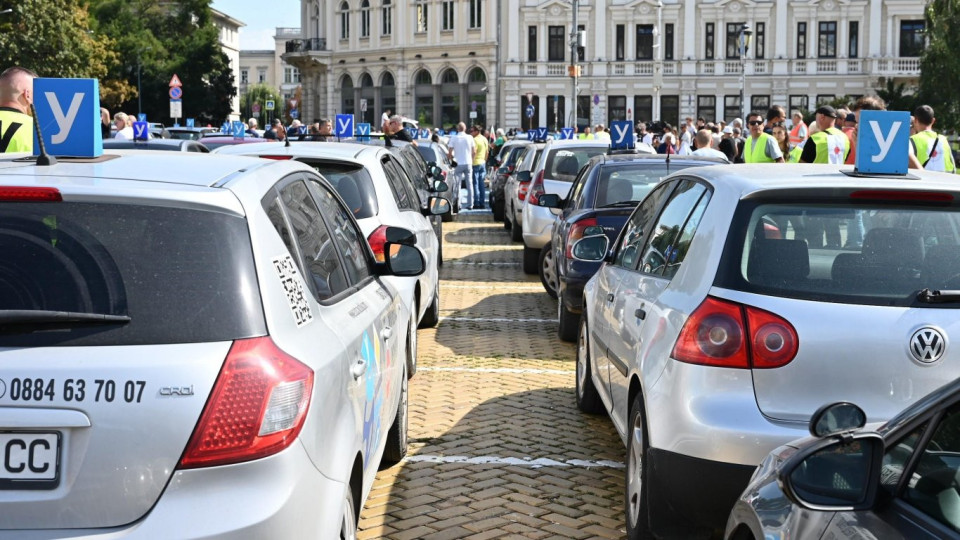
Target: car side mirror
(836, 418)
(550, 200)
(434, 171)
(399, 235)
(437, 206)
(840, 474)
(523, 176)
(591, 248)
(404, 260)
(440, 186)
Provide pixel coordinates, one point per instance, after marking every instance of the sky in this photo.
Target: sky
(262, 17)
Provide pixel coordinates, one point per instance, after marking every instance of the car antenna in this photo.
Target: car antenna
(286, 141)
(43, 159)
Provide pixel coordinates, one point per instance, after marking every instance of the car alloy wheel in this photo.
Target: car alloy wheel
(588, 400)
(548, 270)
(635, 496)
(412, 346)
(396, 448)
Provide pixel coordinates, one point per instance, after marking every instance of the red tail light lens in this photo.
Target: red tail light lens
(30, 194)
(277, 158)
(256, 409)
(714, 335)
(536, 189)
(522, 190)
(377, 241)
(576, 232)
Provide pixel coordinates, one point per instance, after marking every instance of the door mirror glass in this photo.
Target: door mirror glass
(404, 260)
(439, 206)
(591, 248)
(839, 475)
(523, 176)
(399, 235)
(440, 187)
(836, 418)
(550, 200)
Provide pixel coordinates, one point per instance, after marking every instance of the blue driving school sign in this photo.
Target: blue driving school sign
(883, 139)
(621, 134)
(68, 114)
(343, 125)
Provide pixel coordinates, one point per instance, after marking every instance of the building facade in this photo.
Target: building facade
(268, 68)
(440, 60)
(229, 28)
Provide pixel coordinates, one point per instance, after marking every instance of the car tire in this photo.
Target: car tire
(531, 260)
(516, 233)
(497, 207)
(396, 448)
(567, 322)
(432, 316)
(636, 505)
(547, 268)
(588, 400)
(348, 521)
(412, 346)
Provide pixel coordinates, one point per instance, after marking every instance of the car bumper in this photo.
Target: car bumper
(537, 226)
(282, 496)
(572, 293)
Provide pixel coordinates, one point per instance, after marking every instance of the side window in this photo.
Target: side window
(395, 179)
(275, 213)
(662, 250)
(345, 234)
(575, 198)
(410, 184)
(933, 487)
(679, 251)
(631, 240)
(317, 249)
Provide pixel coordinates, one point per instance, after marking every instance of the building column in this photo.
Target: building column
(436, 106)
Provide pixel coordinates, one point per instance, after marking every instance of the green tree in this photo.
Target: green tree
(940, 65)
(898, 96)
(260, 94)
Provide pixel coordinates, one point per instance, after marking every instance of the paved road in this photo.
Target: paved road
(498, 448)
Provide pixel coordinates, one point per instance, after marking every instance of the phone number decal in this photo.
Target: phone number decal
(72, 390)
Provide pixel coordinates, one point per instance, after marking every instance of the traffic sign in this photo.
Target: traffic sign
(176, 108)
(473, 114)
(176, 92)
(175, 81)
(530, 111)
(256, 108)
(473, 105)
(294, 113)
(363, 105)
(271, 105)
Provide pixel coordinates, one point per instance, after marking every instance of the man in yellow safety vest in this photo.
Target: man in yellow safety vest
(760, 147)
(931, 149)
(828, 144)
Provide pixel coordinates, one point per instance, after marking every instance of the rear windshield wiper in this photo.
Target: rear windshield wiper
(938, 297)
(24, 320)
(620, 203)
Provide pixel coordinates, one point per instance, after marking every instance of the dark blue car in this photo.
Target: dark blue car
(601, 199)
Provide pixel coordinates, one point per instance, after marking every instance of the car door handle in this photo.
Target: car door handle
(358, 368)
(387, 333)
(610, 297)
(640, 314)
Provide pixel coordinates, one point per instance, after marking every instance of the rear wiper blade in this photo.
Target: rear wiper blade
(620, 203)
(46, 318)
(938, 297)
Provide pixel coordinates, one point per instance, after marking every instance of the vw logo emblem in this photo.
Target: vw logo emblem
(927, 345)
(3, 388)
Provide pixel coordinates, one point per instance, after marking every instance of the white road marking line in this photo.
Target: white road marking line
(512, 461)
(481, 263)
(478, 319)
(500, 370)
(493, 287)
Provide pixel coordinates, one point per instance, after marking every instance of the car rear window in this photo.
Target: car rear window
(352, 182)
(564, 163)
(878, 254)
(427, 152)
(630, 183)
(180, 275)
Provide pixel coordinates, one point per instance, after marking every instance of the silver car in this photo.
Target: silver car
(193, 346)
(555, 171)
(516, 187)
(739, 299)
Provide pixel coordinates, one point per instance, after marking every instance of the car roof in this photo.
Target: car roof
(562, 143)
(110, 144)
(351, 151)
(617, 159)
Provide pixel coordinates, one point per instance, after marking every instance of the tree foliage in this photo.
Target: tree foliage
(259, 94)
(898, 96)
(940, 65)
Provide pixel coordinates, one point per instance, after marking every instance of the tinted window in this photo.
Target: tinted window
(662, 250)
(317, 249)
(395, 177)
(353, 184)
(177, 273)
(933, 488)
(564, 163)
(629, 183)
(352, 245)
(428, 152)
(631, 240)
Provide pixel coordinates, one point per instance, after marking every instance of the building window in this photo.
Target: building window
(344, 21)
(476, 13)
(733, 40)
(365, 18)
(799, 103)
(618, 109)
(825, 98)
(760, 43)
(447, 21)
(911, 38)
(708, 40)
(261, 75)
(827, 42)
(619, 53)
(581, 49)
(670, 109)
(291, 75)
(386, 24)
(668, 42)
(801, 40)
(531, 43)
(731, 107)
(643, 108)
(244, 76)
(707, 108)
(421, 13)
(644, 42)
(853, 50)
(555, 44)
(759, 103)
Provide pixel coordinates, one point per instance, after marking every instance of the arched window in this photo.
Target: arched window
(386, 12)
(423, 98)
(365, 19)
(367, 93)
(450, 106)
(344, 20)
(346, 95)
(388, 93)
(477, 95)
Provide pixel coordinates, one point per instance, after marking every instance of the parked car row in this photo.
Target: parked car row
(257, 307)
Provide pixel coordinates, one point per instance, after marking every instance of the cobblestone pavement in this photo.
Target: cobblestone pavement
(498, 448)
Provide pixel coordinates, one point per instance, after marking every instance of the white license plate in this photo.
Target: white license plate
(29, 460)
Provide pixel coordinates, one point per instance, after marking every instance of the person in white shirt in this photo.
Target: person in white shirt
(704, 142)
(384, 118)
(124, 126)
(463, 150)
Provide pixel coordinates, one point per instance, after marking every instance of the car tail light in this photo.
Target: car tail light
(576, 232)
(30, 194)
(377, 241)
(510, 168)
(536, 189)
(522, 190)
(256, 409)
(714, 335)
(277, 158)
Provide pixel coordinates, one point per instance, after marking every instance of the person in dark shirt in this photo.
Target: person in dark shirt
(393, 130)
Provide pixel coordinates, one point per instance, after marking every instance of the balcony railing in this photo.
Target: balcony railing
(306, 45)
(554, 70)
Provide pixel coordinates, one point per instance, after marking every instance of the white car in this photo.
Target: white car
(193, 346)
(372, 182)
(555, 171)
(516, 187)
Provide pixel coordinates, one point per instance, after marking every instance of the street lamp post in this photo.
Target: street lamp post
(745, 34)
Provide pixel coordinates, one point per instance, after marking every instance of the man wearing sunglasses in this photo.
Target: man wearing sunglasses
(760, 147)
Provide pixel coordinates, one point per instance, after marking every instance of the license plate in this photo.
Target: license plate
(29, 460)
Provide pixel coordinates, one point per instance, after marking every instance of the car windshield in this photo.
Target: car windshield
(630, 183)
(856, 253)
(352, 182)
(428, 152)
(185, 135)
(563, 164)
(180, 275)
